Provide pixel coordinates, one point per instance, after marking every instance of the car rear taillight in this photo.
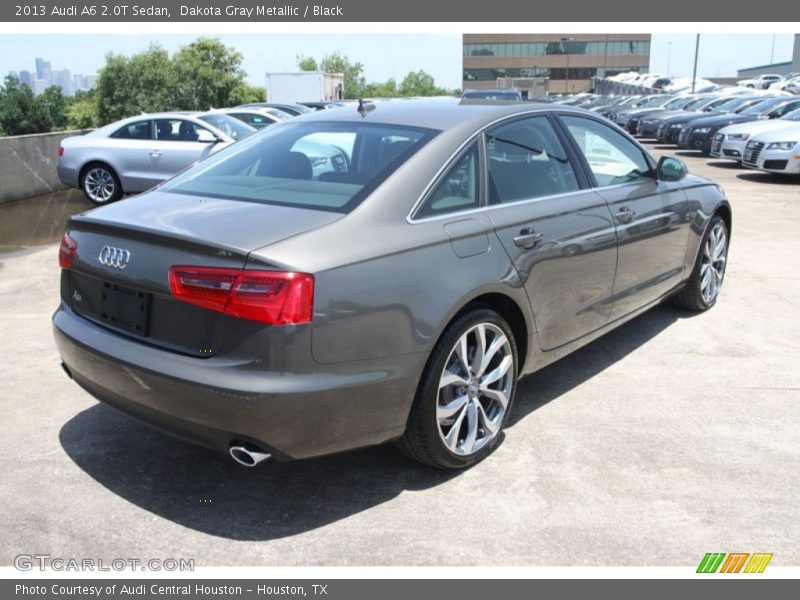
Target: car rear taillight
(274, 297)
(61, 150)
(67, 252)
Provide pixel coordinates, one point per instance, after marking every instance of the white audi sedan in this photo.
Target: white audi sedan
(774, 151)
(730, 141)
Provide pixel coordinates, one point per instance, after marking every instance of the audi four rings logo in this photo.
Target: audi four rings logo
(114, 257)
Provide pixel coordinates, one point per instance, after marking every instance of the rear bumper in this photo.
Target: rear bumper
(216, 401)
(68, 175)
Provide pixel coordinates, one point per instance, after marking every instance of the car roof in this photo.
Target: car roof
(439, 114)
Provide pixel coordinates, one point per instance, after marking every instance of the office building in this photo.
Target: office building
(568, 61)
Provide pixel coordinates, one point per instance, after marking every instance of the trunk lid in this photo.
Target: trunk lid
(120, 275)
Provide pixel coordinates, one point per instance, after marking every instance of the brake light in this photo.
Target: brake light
(67, 252)
(61, 150)
(274, 297)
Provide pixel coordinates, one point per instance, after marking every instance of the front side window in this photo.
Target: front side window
(139, 130)
(458, 190)
(317, 165)
(526, 160)
(177, 130)
(612, 158)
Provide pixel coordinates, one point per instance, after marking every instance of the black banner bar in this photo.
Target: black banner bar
(731, 587)
(471, 11)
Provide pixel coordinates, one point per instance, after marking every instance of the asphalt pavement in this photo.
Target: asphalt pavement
(673, 436)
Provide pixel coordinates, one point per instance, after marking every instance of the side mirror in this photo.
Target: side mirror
(204, 136)
(671, 169)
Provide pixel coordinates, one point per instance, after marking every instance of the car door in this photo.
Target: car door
(558, 233)
(175, 146)
(127, 151)
(651, 216)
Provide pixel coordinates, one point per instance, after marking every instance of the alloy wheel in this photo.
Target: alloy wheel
(475, 389)
(99, 185)
(712, 269)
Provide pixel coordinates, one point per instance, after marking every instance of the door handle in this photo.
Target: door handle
(625, 215)
(155, 152)
(528, 238)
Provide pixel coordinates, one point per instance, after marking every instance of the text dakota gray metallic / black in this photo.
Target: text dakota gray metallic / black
(382, 273)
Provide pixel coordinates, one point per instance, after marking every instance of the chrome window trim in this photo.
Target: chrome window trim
(449, 162)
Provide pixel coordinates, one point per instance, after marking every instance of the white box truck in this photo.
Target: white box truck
(304, 86)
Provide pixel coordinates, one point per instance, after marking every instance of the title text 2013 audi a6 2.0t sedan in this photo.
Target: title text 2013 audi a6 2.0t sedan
(381, 273)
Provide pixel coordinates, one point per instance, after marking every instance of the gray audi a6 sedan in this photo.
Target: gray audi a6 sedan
(381, 273)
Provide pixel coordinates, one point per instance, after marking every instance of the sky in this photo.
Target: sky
(383, 55)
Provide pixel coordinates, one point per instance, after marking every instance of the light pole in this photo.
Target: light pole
(669, 56)
(566, 39)
(772, 52)
(696, 51)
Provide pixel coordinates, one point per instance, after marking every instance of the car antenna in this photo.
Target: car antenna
(365, 107)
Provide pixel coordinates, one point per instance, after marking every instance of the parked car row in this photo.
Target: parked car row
(758, 129)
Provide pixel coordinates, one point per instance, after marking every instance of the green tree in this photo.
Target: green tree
(127, 86)
(208, 74)
(336, 62)
(306, 63)
(420, 83)
(53, 102)
(354, 81)
(20, 113)
(82, 112)
(386, 89)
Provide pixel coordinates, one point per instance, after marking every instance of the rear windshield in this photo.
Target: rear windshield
(317, 165)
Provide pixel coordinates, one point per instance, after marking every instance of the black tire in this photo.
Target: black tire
(98, 199)
(691, 297)
(422, 440)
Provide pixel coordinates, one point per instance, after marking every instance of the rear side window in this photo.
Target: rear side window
(526, 160)
(319, 165)
(457, 191)
(139, 130)
(613, 158)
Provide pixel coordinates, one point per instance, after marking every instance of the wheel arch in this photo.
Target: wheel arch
(506, 307)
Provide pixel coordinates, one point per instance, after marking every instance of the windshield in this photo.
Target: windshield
(695, 103)
(278, 113)
(732, 104)
(316, 165)
(763, 107)
(792, 116)
(659, 101)
(713, 105)
(232, 127)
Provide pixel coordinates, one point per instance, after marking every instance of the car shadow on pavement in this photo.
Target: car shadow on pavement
(771, 178)
(206, 491)
(557, 379)
(724, 164)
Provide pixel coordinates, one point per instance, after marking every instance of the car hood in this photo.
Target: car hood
(719, 120)
(235, 225)
(785, 134)
(666, 115)
(756, 127)
(684, 118)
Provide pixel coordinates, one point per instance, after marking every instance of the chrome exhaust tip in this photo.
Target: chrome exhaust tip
(248, 455)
